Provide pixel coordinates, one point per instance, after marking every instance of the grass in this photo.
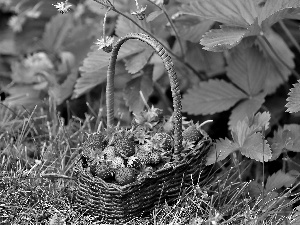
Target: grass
(38, 151)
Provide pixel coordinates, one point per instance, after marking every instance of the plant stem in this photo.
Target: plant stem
(172, 25)
(104, 22)
(290, 36)
(279, 58)
(263, 164)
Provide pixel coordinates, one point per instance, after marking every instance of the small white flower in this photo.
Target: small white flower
(105, 44)
(140, 13)
(63, 7)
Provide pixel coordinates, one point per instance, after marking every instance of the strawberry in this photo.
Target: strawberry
(191, 134)
(117, 162)
(100, 170)
(155, 158)
(124, 147)
(125, 175)
(164, 140)
(134, 162)
(108, 153)
(144, 157)
(95, 141)
(145, 172)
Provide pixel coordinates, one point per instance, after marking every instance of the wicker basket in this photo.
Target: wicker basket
(116, 204)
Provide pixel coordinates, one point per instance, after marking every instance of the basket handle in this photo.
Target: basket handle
(173, 82)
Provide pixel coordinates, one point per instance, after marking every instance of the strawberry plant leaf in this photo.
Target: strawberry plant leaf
(153, 15)
(259, 120)
(279, 141)
(218, 40)
(240, 132)
(278, 180)
(56, 31)
(293, 104)
(135, 62)
(240, 13)
(276, 10)
(220, 150)
(133, 87)
(277, 69)
(22, 95)
(192, 28)
(79, 34)
(248, 69)
(95, 60)
(247, 108)
(201, 60)
(253, 148)
(94, 68)
(279, 15)
(246, 127)
(211, 97)
(61, 92)
(286, 137)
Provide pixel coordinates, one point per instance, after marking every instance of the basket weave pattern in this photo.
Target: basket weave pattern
(117, 204)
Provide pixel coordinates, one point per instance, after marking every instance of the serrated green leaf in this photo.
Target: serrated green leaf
(253, 148)
(22, 95)
(56, 31)
(136, 62)
(240, 132)
(248, 69)
(279, 141)
(277, 69)
(201, 60)
(94, 68)
(95, 60)
(61, 92)
(287, 138)
(211, 97)
(293, 104)
(276, 10)
(80, 38)
(240, 13)
(192, 28)
(259, 120)
(278, 180)
(153, 15)
(89, 80)
(133, 87)
(218, 40)
(247, 108)
(220, 150)
(279, 15)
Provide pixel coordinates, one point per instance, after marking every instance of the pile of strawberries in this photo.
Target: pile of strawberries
(123, 156)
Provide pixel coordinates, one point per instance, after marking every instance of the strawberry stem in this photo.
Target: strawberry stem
(144, 100)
